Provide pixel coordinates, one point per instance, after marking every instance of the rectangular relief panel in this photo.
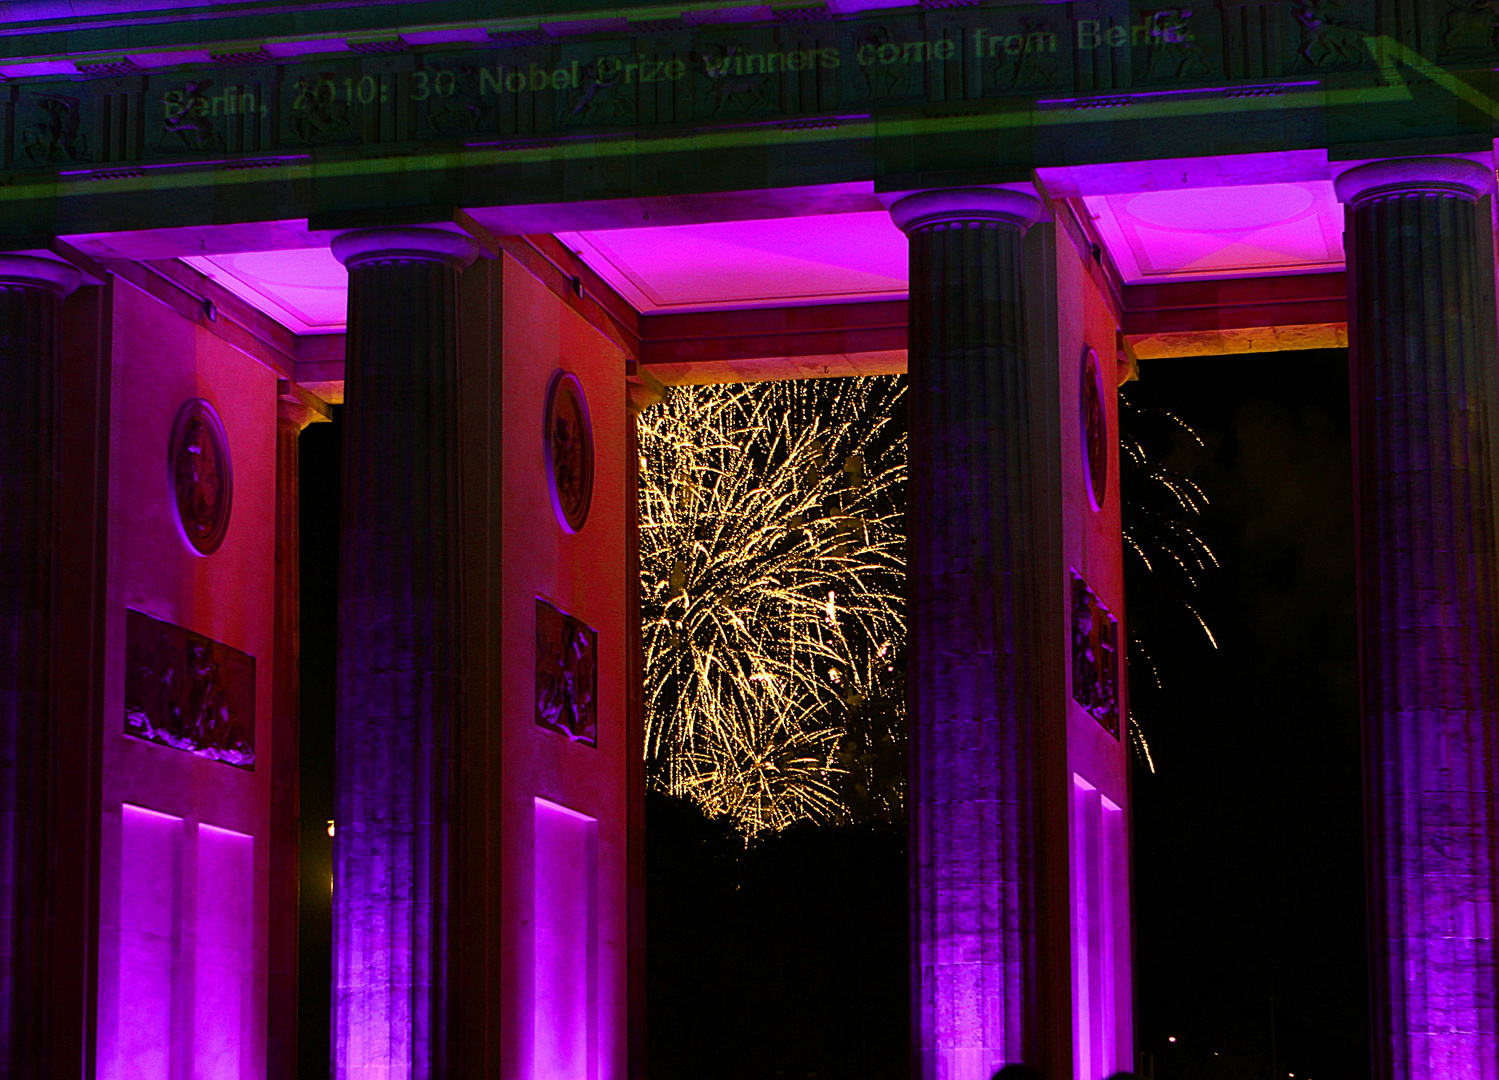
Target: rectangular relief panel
(224, 953)
(566, 675)
(565, 985)
(150, 922)
(1095, 657)
(188, 692)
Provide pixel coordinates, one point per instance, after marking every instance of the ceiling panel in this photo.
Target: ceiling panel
(758, 263)
(1240, 231)
(304, 289)
(1183, 234)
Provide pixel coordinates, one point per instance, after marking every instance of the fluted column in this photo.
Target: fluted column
(973, 578)
(31, 298)
(398, 679)
(1422, 336)
(294, 411)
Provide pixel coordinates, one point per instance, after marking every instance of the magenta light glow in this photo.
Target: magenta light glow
(789, 260)
(137, 1045)
(223, 955)
(1099, 909)
(1202, 232)
(304, 289)
(565, 1045)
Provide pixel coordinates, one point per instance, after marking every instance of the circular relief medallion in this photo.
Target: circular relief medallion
(569, 450)
(202, 481)
(1095, 428)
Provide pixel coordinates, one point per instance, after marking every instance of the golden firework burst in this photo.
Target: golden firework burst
(772, 576)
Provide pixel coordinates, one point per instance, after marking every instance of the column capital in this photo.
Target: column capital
(952, 206)
(405, 243)
(29, 270)
(1415, 176)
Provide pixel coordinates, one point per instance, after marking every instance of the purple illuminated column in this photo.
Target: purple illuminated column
(1422, 334)
(398, 655)
(973, 575)
(31, 299)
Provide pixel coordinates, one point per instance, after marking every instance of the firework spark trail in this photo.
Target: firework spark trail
(772, 575)
(1161, 536)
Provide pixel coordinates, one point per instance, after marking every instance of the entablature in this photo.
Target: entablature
(148, 114)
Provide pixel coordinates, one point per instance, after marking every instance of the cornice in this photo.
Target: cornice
(147, 33)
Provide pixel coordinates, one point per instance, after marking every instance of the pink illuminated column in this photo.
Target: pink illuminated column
(398, 683)
(31, 297)
(974, 571)
(1422, 334)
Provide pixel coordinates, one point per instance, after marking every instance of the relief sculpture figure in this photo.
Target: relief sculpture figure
(187, 117)
(458, 113)
(886, 80)
(317, 112)
(1325, 40)
(566, 675)
(731, 91)
(56, 137)
(188, 692)
(598, 100)
(1173, 51)
(1469, 28)
(1033, 63)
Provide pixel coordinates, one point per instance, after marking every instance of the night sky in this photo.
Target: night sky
(319, 493)
(1249, 860)
(1249, 856)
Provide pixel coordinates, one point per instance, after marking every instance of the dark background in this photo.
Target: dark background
(788, 958)
(1248, 839)
(319, 490)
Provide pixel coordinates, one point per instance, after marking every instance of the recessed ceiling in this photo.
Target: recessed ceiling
(1182, 234)
(304, 289)
(759, 263)
(1241, 231)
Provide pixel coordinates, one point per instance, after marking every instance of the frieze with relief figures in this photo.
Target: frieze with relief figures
(807, 69)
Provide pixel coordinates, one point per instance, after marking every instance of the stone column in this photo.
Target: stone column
(1425, 403)
(973, 572)
(398, 683)
(295, 409)
(31, 300)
